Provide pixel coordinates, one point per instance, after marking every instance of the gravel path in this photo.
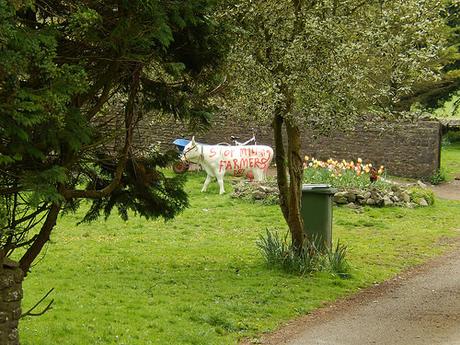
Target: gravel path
(449, 190)
(421, 307)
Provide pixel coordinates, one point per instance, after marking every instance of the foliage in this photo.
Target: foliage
(76, 81)
(344, 175)
(335, 58)
(445, 89)
(278, 252)
(417, 193)
(449, 108)
(438, 177)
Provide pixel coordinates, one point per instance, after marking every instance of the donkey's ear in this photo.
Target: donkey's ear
(193, 140)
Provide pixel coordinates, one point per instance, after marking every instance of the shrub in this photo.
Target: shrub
(279, 253)
(417, 193)
(438, 177)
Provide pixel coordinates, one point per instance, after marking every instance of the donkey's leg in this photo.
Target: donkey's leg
(220, 181)
(206, 183)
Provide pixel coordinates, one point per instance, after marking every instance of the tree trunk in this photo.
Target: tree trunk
(290, 186)
(295, 165)
(280, 160)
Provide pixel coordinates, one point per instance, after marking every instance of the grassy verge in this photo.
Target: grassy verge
(450, 160)
(199, 278)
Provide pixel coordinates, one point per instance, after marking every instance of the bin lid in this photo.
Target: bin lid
(318, 188)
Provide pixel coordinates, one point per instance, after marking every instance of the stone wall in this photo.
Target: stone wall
(10, 304)
(409, 150)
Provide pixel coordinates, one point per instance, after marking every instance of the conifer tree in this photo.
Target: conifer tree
(76, 79)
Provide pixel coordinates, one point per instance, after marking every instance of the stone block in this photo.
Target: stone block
(16, 314)
(4, 317)
(6, 279)
(12, 294)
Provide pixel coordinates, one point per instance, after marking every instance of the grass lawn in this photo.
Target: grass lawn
(450, 160)
(199, 279)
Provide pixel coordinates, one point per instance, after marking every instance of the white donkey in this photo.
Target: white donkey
(216, 160)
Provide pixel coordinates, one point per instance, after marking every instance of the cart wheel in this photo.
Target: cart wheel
(180, 167)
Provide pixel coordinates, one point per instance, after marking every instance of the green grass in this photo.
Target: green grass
(450, 160)
(200, 279)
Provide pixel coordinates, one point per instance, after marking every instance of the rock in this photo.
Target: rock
(367, 195)
(352, 205)
(422, 202)
(421, 184)
(411, 205)
(387, 201)
(395, 188)
(341, 198)
(351, 196)
(405, 197)
(258, 195)
(359, 196)
(370, 201)
(268, 189)
(394, 198)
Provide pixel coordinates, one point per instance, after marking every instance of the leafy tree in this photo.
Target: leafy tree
(324, 64)
(76, 79)
(431, 93)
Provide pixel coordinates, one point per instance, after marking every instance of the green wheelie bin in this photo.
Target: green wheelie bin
(316, 212)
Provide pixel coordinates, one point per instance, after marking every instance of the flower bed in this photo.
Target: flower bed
(358, 184)
(363, 184)
(344, 174)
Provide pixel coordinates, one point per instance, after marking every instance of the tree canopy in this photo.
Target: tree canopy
(432, 93)
(76, 79)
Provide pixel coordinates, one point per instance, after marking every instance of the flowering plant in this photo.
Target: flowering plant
(343, 173)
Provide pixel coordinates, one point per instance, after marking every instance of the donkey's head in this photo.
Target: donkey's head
(192, 151)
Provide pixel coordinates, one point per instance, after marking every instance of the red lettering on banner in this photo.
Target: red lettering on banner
(227, 153)
(263, 163)
(251, 162)
(256, 162)
(228, 165)
(243, 163)
(213, 152)
(221, 165)
(235, 164)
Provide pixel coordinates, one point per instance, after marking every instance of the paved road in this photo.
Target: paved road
(420, 309)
